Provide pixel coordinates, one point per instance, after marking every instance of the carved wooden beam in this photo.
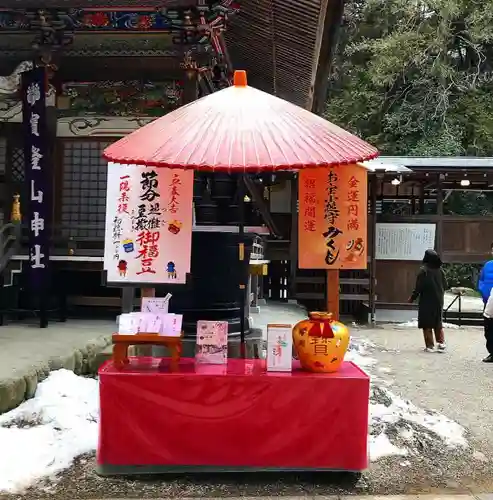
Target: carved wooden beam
(258, 200)
(9, 85)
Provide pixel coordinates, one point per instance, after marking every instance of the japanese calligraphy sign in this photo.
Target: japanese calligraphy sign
(38, 177)
(332, 223)
(279, 348)
(148, 235)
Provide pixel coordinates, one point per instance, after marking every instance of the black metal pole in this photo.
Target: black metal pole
(241, 255)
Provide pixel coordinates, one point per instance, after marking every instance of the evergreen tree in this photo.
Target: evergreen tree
(415, 77)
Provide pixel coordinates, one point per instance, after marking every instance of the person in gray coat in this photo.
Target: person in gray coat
(430, 290)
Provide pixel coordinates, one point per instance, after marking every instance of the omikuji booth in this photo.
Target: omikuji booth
(213, 412)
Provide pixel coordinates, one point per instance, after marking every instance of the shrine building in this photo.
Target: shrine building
(111, 69)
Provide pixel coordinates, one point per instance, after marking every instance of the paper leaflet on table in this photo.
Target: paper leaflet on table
(173, 325)
(279, 348)
(166, 324)
(156, 304)
(127, 324)
(212, 342)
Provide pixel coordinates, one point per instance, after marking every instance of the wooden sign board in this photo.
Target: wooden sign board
(333, 218)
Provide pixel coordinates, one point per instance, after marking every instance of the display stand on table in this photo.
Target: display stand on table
(121, 343)
(230, 417)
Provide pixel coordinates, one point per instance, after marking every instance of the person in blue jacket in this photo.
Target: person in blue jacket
(485, 283)
(485, 287)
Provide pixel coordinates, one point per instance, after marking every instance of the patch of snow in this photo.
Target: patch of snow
(383, 369)
(358, 352)
(406, 434)
(396, 410)
(396, 424)
(45, 434)
(380, 446)
(414, 324)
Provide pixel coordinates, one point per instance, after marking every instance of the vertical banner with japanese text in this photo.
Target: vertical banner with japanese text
(38, 176)
(333, 213)
(148, 236)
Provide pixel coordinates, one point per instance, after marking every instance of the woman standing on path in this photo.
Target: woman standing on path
(430, 290)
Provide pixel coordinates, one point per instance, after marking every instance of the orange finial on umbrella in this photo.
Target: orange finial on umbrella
(240, 78)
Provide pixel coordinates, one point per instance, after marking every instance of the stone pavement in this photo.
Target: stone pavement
(280, 312)
(28, 353)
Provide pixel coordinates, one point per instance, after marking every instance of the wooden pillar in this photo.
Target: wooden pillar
(241, 257)
(261, 283)
(147, 292)
(293, 248)
(332, 292)
(372, 233)
(439, 228)
(255, 288)
(127, 303)
(421, 198)
(413, 202)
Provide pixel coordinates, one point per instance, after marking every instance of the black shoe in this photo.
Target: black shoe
(489, 359)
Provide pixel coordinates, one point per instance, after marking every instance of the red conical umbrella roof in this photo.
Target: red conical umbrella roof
(240, 129)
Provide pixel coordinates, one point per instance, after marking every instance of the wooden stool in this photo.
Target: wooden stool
(121, 343)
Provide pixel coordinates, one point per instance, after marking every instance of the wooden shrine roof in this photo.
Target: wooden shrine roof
(75, 4)
(285, 45)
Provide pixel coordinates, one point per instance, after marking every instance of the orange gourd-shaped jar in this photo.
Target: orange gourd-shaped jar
(320, 342)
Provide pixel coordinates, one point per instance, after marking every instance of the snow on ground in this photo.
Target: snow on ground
(46, 433)
(414, 324)
(43, 436)
(397, 426)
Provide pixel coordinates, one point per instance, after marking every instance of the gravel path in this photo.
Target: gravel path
(455, 383)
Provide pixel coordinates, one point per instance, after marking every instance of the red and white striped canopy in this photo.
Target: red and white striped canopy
(240, 129)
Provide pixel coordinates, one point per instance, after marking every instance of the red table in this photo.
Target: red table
(234, 417)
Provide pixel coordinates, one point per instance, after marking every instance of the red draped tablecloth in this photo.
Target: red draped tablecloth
(231, 417)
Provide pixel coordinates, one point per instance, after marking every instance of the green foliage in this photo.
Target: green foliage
(462, 275)
(469, 203)
(416, 78)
